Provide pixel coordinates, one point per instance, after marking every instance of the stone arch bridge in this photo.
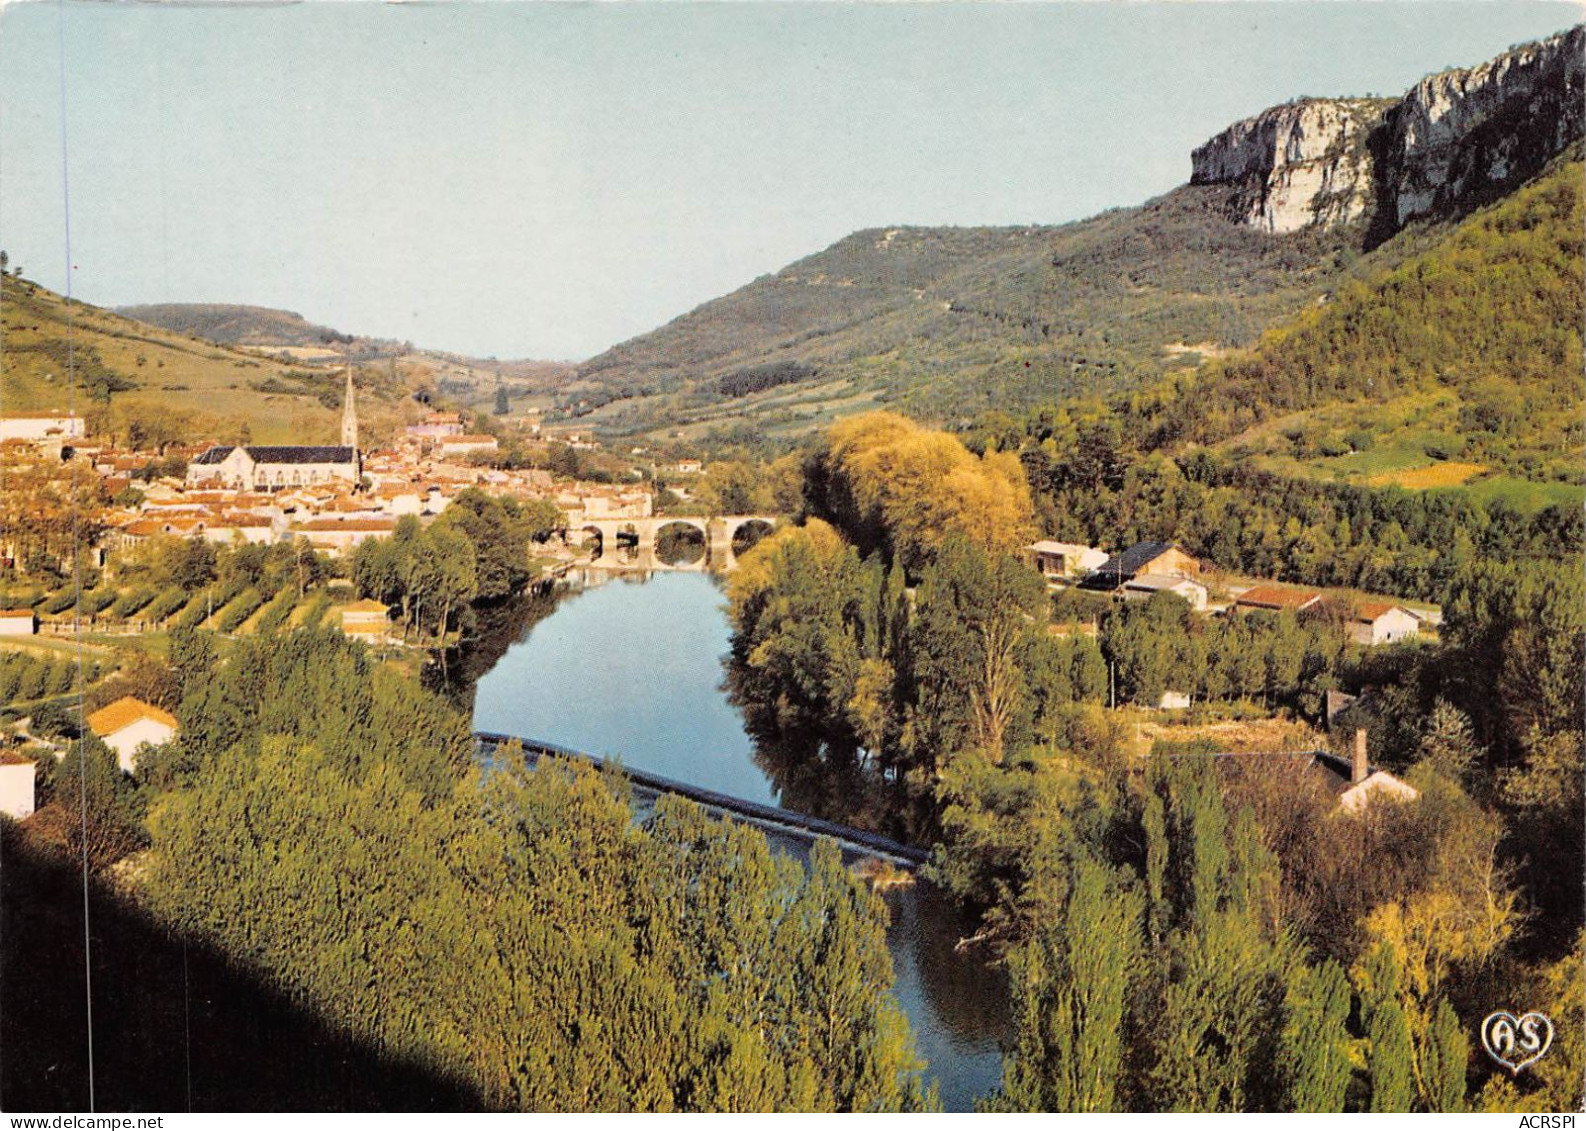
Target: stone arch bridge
(630, 543)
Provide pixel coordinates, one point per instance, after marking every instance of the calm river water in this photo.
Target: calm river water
(630, 665)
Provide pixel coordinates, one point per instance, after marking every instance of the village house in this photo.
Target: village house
(436, 426)
(230, 529)
(1160, 558)
(365, 620)
(1059, 561)
(689, 467)
(18, 622)
(1148, 585)
(1382, 622)
(18, 777)
(464, 445)
(40, 426)
(1275, 599)
(1356, 783)
(129, 724)
(340, 535)
(1351, 779)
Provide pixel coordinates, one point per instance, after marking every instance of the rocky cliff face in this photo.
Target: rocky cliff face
(1295, 165)
(1454, 141)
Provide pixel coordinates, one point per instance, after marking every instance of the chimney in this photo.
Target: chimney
(1358, 769)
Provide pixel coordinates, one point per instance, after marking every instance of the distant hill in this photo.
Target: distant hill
(287, 336)
(945, 322)
(174, 384)
(238, 325)
(1285, 209)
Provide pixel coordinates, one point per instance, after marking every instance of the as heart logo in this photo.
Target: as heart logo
(1516, 1042)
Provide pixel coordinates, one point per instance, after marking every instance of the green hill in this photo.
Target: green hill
(1462, 363)
(945, 322)
(178, 384)
(1302, 206)
(233, 325)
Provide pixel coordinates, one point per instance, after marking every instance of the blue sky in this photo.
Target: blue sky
(547, 179)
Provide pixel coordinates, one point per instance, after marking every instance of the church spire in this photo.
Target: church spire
(349, 417)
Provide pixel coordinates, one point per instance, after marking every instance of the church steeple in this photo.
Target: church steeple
(349, 417)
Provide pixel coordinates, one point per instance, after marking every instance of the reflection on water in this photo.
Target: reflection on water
(631, 666)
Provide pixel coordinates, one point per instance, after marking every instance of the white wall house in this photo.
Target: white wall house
(16, 789)
(1065, 559)
(1147, 585)
(18, 622)
(129, 724)
(1378, 622)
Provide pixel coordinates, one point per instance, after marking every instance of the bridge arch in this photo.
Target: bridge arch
(681, 541)
(746, 533)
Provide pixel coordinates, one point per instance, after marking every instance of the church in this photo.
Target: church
(275, 467)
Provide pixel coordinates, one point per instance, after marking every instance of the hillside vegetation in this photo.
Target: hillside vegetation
(944, 322)
(237, 325)
(160, 384)
(1463, 360)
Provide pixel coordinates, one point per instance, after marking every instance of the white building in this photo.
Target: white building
(40, 426)
(18, 622)
(1380, 622)
(1146, 585)
(129, 724)
(274, 467)
(1065, 559)
(17, 779)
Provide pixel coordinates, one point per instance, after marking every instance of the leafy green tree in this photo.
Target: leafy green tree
(1072, 983)
(1445, 1058)
(1314, 1053)
(1389, 1053)
(978, 618)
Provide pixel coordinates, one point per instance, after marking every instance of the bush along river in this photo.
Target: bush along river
(631, 666)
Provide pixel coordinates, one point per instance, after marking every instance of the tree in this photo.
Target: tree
(1314, 1054)
(503, 402)
(98, 805)
(977, 618)
(1445, 1059)
(1389, 1056)
(1072, 985)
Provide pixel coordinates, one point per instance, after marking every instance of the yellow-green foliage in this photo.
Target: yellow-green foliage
(891, 484)
(515, 929)
(1490, 314)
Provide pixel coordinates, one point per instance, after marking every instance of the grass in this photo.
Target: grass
(1449, 473)
(46, 645)
(1525, 494)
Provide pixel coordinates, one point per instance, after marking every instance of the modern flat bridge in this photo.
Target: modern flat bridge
(768, 818)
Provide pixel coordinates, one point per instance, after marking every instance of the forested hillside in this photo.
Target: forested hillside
(1471, 351)
(944, 322)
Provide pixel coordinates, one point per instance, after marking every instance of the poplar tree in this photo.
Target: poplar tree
(1444, 1059)
(1389, 1053)
(1314, 1046)
(1073, 983)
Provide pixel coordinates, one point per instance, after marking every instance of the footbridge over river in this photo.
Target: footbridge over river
(630, 543)
(768, 818)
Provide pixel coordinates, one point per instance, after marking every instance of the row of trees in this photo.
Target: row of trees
(477, 550)
(1163, 966)
(512, 928)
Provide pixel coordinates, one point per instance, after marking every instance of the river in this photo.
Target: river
(630, 666)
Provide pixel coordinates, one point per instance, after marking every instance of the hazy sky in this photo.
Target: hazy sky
(548, 179)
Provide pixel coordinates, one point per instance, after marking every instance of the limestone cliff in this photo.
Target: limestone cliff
(1295, 165)
(1455, 140)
